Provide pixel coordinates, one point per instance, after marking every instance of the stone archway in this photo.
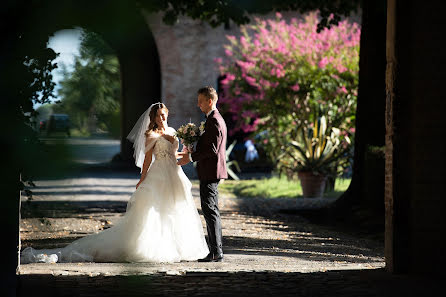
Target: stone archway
(123, 27)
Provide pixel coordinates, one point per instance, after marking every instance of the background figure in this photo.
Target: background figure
(251, 151)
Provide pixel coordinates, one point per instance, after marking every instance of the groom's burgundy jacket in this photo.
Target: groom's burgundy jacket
(210, 153)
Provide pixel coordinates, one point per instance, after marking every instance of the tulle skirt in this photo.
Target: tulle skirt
(161, 224)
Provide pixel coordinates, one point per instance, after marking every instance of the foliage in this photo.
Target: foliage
(280, 76)
(26, 79)
(273, 187)
(92, 90)
(320, 149)
(224, 11)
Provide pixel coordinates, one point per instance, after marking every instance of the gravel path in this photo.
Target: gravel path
(266, 251)
(256, 236)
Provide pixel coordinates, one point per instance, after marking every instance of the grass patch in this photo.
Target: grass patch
(79, 133)
(274, 187)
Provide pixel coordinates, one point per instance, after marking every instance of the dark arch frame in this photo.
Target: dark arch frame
(124, 28)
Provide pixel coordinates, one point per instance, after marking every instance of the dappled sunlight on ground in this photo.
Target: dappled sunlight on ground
(265, 249)
(256, 236)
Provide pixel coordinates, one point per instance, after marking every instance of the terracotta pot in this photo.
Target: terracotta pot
(312, 185)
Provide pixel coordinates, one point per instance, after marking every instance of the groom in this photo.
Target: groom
(210, 155)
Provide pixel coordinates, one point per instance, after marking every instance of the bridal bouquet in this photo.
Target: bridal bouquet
(188, 134)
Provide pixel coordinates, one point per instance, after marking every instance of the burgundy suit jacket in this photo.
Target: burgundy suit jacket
(210, 152)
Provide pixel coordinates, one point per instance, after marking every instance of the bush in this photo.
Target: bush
(283, 76)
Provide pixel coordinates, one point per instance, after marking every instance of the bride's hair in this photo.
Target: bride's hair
(153, 113)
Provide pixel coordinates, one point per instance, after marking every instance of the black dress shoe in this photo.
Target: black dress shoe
(211, 257)
(218, 257)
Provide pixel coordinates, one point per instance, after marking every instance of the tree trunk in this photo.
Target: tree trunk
(367, 185)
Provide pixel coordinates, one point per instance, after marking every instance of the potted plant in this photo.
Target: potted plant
(317, 152)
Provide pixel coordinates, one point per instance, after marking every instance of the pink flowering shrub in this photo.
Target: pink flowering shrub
(279, 76)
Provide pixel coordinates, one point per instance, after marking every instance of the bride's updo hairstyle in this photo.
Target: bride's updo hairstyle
(153, 113)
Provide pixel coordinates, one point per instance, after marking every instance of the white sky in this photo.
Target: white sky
(66, 43)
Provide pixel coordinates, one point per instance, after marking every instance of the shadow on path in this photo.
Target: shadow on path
(332, 283)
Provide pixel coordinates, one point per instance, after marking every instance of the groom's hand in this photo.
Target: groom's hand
(184, 158)
(182, 154)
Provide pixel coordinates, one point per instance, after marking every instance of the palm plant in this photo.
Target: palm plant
(230, 163)
(320, 149)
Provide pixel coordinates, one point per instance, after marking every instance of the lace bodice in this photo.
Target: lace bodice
(163, 148)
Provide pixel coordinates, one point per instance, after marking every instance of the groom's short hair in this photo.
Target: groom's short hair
(209, 92)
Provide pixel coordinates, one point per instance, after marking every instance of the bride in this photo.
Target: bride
(161, 223)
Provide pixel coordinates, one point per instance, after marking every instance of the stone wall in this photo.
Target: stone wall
(186, 51)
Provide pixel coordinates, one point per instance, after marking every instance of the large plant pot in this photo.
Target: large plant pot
(312, 185)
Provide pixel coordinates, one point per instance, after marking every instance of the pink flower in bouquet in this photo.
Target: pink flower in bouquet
(188, 135)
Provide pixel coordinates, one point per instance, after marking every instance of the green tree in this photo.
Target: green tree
(93, 88)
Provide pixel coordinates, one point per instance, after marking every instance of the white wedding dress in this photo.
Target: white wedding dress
(161, 223)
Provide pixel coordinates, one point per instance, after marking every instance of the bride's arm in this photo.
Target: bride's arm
(145, 166)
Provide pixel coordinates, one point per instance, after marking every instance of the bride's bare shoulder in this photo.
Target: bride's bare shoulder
(152, 134)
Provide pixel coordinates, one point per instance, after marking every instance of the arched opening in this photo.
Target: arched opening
(86, 113)
(124, 29)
